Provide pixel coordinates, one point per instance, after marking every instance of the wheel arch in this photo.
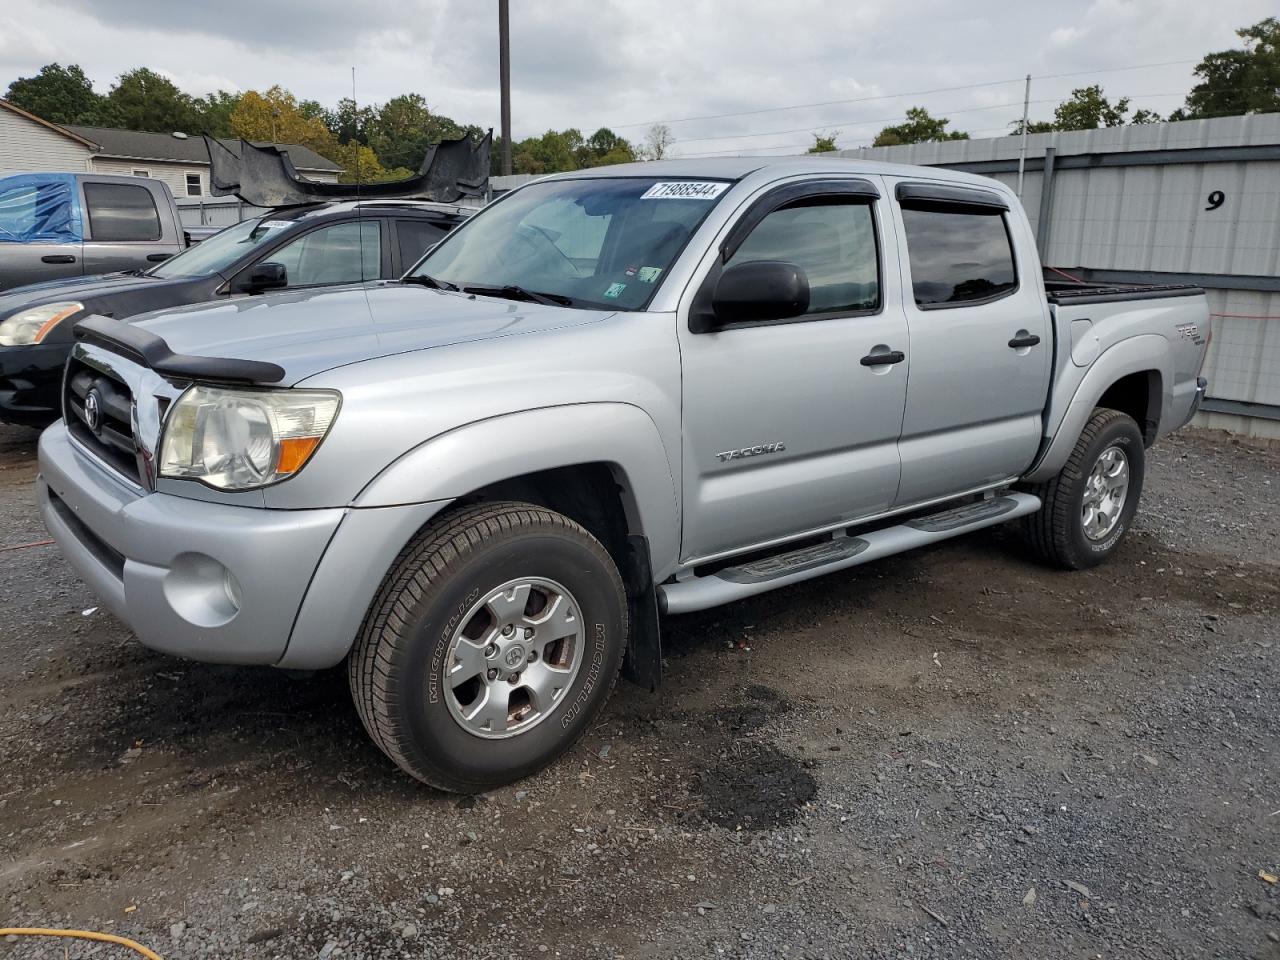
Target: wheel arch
(1134, 373)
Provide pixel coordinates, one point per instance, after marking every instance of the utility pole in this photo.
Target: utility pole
(1022, 151)
(504, 70)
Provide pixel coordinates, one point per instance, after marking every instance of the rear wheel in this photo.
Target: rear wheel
(1089, 505)
(493, 642)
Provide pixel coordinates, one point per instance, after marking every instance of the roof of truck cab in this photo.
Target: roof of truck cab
(735, 168)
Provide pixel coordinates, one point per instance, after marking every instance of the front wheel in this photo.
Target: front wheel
(493, 642)
(1088, 506)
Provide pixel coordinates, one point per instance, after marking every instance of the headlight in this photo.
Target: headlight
(33, 325)
(240, 439)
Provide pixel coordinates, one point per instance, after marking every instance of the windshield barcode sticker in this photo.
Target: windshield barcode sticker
(685, 190)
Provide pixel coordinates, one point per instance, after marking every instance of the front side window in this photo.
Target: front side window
(120, 212)
(833, 242)
(599, 243)
(958, 257)
(342, 253)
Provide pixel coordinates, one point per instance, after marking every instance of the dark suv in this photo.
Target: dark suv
(299, 247)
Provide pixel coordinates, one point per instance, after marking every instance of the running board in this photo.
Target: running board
(839, 553)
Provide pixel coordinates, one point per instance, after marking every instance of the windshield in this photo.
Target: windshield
(221, 250)
(592, 243)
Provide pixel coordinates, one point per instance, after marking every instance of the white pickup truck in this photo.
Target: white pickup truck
(611, 395)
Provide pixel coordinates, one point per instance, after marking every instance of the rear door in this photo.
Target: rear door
(980, 344)
(43, 210)
(122, 227)
(786, 427)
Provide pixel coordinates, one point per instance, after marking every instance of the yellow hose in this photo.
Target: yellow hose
(79, 935)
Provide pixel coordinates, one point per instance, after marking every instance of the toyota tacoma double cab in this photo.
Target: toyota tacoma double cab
(609, 397)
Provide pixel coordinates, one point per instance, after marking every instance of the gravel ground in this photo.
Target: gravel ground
(953, 753)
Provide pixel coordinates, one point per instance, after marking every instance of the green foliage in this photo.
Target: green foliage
(1235, 82)
(58, 94)
(824, 142)
(919, 127)
(144, 100)
(1088, 109)
(213, 113)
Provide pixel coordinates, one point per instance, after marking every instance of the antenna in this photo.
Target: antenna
(355, 113)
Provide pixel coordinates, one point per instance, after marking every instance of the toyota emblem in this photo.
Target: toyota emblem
(93, 411)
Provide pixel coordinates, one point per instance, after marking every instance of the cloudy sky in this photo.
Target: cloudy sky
(629, 63)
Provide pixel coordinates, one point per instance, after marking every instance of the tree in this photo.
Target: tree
(824, 142)
(657, 141)
(404, 127)
(213, 112)
(58, 94)
(275, 117)
(1088, 109)
(604, 147)
(144, 100)
(919, 127)
(347, 121)
(1236, 82)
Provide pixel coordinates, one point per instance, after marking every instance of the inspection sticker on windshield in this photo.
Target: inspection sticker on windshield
(685, 190)
(649, 274)
(615, 290)
(275, 224)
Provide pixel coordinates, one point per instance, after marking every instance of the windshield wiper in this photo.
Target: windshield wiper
(422, 280)
(513, 292)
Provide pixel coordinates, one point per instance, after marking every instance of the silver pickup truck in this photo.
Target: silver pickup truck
(612, 395)
(56, 225)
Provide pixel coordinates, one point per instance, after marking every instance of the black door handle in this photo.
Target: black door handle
(57, 258)
(1028, 341)
(883, 359)
(157, 257)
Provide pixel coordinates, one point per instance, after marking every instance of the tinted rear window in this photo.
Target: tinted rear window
(414, 238)
(958, 258)
(121, 212)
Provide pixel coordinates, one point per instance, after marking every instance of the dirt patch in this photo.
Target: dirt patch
(756, 787)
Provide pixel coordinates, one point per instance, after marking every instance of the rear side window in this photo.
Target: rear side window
(415, 237)
(121, 212)
(833, 242)
(958, 257)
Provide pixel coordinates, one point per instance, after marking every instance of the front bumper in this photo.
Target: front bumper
(31, 383)
(208, 581)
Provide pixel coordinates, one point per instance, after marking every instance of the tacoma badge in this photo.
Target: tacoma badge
(757, 450)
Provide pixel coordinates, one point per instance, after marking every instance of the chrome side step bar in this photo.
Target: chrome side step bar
(839, 553)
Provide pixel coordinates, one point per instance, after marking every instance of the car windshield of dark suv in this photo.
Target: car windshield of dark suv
(599, 243)
(221, 250)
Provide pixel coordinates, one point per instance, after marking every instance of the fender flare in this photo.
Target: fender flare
(474, 455)
(1138, 354)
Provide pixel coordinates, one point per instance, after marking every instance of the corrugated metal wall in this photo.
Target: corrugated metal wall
(1194, 201)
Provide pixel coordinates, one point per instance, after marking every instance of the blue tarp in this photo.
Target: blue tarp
(40, 208)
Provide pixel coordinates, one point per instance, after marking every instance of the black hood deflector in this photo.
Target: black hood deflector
(265, 176)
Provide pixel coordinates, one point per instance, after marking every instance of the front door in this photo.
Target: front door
(980, 342)
(786, 428)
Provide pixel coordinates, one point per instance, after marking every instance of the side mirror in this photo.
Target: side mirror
(265, 276)
(760, 290)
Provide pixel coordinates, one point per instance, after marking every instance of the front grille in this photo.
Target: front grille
(99, 413)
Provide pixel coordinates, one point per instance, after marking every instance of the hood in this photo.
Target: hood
(307, 332)
(84, 289)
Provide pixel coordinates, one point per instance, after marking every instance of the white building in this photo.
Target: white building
(29, 144)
